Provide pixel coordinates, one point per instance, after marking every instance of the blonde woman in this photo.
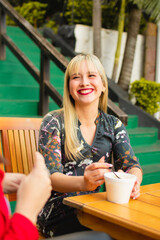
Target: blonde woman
(77, 142)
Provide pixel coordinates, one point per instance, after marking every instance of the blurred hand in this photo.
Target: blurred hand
(94, 174)
(34, 190)
(11, 182)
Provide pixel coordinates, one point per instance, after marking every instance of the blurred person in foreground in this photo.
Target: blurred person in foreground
(32, 193)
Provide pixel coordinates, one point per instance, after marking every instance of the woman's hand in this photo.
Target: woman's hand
(34, 190)
(136, 190)
(94, 174)
(11, 182)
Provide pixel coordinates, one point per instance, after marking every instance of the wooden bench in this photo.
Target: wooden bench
(18, 143)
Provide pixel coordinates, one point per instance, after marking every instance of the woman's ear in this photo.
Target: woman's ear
(103, 90)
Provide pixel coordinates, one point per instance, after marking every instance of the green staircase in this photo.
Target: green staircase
(19, 94)
(146, 146)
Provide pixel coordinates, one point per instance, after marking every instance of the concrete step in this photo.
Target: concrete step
(18, 108)
(9, 78)
(149, 153)
(143, 135)
(132, 122)
(19, 92)
(151, 174)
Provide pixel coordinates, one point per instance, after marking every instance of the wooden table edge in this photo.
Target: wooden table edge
(149, 232)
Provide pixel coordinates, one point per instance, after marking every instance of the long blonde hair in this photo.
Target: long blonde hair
(72, 143)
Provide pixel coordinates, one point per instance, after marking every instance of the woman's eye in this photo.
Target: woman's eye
(92, 75)
(75, 77)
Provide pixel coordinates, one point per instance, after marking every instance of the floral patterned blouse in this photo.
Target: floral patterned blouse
(111, 136)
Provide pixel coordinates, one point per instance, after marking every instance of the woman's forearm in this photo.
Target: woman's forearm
(64, 183)
(93, 177)
(137, 172)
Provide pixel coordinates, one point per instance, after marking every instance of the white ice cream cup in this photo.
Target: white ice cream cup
(119, 189)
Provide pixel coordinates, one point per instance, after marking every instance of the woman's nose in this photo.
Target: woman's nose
(84, 80)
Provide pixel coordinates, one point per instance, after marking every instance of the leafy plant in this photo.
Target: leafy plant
(33, 12)
(147, 95)
(52, 24)
(80, 12)
(151, 7)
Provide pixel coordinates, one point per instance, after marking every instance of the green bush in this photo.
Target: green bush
(80, 12)
(147, 95)
(33, 12)
(52, 24)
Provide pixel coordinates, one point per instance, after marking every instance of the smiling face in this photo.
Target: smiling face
(85, 84)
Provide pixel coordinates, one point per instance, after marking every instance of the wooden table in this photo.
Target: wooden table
(138, 219)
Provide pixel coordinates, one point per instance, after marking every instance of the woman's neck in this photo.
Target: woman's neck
(87, 115)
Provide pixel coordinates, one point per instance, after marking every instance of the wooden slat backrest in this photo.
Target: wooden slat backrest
(19, 141)
(1, 164)
(19, 123)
